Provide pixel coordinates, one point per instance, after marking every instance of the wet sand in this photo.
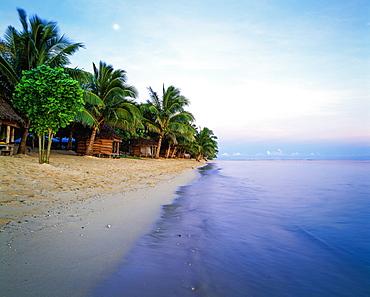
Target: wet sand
(67, 225)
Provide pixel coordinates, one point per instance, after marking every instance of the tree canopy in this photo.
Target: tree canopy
(50, 98)
(108, 100)
(167, 116)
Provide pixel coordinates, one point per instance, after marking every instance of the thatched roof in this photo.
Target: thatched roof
(7, 113)
(105, 132)
(143, 142)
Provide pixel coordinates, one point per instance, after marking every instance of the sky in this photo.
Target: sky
(270, 78)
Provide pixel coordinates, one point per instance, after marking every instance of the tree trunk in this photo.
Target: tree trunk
(42, 158)
(40, 144)
(90, 146)
(50, 141)
(174, 152)
(158, 147)
(199, 157)
(182, 153)
(22, 144)
(69, 146)
(168, 151)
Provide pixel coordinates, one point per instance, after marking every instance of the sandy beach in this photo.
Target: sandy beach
(67, 225)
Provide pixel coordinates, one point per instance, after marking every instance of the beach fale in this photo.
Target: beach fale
(107, 142)
(9, 121)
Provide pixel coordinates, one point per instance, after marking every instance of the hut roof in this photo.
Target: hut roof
(142, 142)
(107, 132)
(8, 113)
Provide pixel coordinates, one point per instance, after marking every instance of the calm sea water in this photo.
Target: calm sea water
(258, 228)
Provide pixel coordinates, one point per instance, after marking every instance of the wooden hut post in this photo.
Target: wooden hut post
(12, 129)
(7, 134)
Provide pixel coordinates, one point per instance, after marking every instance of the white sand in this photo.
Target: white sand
(62, 246)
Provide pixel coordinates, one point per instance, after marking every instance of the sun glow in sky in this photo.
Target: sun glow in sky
(270, 78)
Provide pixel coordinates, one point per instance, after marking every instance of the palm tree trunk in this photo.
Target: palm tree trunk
(174, 152)
(199, 157)
(168, 151)
(182, 153)
(158, 147)
(90, 146)
(22, 144)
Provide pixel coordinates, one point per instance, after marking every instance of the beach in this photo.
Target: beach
(66, 225)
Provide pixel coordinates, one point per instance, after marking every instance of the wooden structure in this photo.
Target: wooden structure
(9, 121)
(142, 147)
(107, 142)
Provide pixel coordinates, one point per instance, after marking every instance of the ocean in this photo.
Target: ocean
(257, 228)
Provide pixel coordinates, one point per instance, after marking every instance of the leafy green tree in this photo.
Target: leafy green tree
(205, 145)
(38, 43)
(109, 99)
(166, 116)
(50, 98)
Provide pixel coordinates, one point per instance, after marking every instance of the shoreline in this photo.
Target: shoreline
(67, 246)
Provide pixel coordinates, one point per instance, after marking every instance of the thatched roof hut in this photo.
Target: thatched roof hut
(107, 141)
(9, 121)
(142, 147)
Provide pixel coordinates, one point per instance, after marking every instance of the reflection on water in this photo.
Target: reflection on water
(259, 228)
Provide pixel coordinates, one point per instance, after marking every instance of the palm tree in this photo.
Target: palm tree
(109, 99)
(39, 43)
(205, 144)
(167, 117)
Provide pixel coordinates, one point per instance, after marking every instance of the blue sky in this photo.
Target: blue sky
(271, 78)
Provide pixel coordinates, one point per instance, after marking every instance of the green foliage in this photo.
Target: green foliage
(166, 116)
(49, 98)
(38, 43)
(139, 133)
(205, 145)
(108, 99)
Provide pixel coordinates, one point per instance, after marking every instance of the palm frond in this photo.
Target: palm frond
(93, 99)
(86, 118)
(8, 71)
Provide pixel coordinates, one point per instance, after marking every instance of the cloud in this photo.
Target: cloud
(238, 154)
(225, 154)
(279, 152)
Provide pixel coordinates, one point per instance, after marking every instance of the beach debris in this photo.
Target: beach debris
(192, 288)
(81, 235)
(193, 251)
(109, 226)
